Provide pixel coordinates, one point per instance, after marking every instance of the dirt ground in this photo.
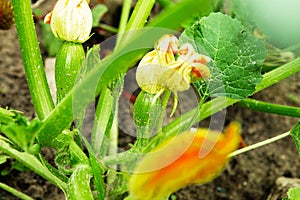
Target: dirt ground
(250, 176)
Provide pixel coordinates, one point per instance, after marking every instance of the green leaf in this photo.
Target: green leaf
(31, 162)
(22, 133)
(98, 11)
(295, 133)
(50, 43)
(294, 194)
(3, 158)
(236, 54)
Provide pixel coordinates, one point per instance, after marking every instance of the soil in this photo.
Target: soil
(248, 176)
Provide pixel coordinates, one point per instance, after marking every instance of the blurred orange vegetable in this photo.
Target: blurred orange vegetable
(189, 158)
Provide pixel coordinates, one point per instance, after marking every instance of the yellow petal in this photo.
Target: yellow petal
(185, 159)
(149, 72)
(159, 69)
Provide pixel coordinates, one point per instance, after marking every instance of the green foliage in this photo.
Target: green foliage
(31, 162)
(295, 133)
(22, 133)
(236, 54)
(293, 194)
(3, 158)
(50, 43)
(98, 11)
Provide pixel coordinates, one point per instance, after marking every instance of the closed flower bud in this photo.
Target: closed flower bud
(71, 20)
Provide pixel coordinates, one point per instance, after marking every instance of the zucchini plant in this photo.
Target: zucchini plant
(214, 53)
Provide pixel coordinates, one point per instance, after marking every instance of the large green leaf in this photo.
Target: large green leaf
(295, 133)
(236, 54)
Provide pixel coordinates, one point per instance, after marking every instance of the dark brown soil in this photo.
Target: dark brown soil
(248, 176)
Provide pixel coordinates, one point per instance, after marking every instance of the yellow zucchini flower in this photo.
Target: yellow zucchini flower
(71, 20)
(188, 158)
(170, 67)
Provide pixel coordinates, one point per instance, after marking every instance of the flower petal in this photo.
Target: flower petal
(185, 159)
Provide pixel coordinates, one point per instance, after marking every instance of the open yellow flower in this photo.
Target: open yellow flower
(159, 69)
(71, 20)
(188, 158)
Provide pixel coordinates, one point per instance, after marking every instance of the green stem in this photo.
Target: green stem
(97, 169)
(137, 20)
(33, 63)
(124, 18)
(270, 107)
(140, 14)
(259, 144)
(164, 104)
(15, 192)
(102, 118)
(108, 28)
(278, 74)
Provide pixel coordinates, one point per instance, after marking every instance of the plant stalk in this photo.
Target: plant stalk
(259, 144)
(15, 192)
(33, 63)
(123, 21)
(270, 107)
(137, 20)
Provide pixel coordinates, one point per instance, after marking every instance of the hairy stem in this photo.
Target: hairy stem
(15, 192)
(270, 107)
(33, 63)
(124, 18)
(137, 20)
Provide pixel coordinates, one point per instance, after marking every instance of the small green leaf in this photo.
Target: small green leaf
(3, 158)
(50, 43)
(294, 193)
(92, 59)
(236, 54)
(295, 133)
(22, 133)
(98, 11)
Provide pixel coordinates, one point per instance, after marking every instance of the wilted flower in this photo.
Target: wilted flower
(71, 20)
(159, 69)
(188, 158)
(6, 14)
